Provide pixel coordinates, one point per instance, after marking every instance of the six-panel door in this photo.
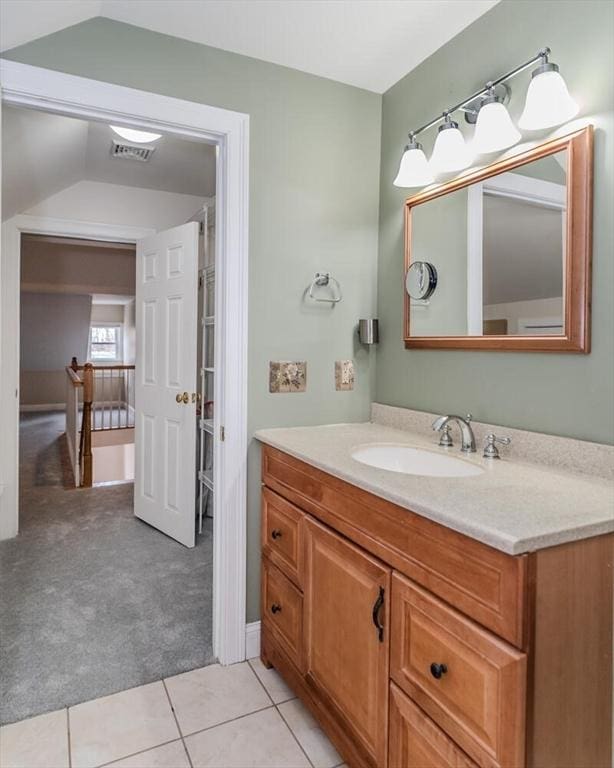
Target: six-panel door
(346, 624)
(165, 376)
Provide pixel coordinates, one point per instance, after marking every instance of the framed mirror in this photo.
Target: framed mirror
(510, 246)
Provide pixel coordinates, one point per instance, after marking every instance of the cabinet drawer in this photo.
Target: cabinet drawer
(416, 742)
(470, 682)
(282, 534)
(282, 610)
(478, 580)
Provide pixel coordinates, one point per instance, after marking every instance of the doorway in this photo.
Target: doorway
(62, 94)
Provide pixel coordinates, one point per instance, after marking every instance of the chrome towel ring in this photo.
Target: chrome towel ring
(323, 279)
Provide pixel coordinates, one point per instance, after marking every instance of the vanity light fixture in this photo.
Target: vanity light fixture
(450, 152)
(414, 170)
(131, 134)
(548, 101)
(548, 104)
(494, 129)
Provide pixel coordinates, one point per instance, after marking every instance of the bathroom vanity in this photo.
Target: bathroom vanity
(435, 621)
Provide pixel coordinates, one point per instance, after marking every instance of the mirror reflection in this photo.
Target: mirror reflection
(498, 247)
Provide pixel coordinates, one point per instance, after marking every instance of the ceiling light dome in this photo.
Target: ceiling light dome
(494, 129)
(131, 134)
(548, 102)
(450, 152)
(414, 170)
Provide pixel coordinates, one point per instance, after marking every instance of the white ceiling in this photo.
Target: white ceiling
(367, 43)
(44, 153)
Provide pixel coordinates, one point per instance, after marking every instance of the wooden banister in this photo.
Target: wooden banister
(73, 376)
(85, 447)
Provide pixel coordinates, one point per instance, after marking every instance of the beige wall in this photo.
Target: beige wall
(107, 313)
(42, 388)
(55, 319)
(62, 267)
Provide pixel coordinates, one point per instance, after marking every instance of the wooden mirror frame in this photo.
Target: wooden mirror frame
(578, 247)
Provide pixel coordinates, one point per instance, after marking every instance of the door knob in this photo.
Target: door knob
(182, 398)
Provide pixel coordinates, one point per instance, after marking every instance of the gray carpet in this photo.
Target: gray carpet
(92, 600)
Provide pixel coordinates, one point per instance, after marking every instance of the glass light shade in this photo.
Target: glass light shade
(139, 137)
(450, 152)
(548, 102)
(494, 129)
(414, 170)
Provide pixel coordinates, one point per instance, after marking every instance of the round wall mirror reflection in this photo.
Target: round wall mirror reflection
(421, 280)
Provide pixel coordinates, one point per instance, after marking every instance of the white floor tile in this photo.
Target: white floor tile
(40, 742)
(309, 734)
(215, 694)
(261, 740)
(272, 681)
(171, 755)
(115, 726)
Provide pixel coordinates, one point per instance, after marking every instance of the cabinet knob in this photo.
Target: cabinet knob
(275, 608)
(275, 534)
(437, 670)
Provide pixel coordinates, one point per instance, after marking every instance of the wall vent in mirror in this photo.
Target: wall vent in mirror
(511, 246)
(547, 104)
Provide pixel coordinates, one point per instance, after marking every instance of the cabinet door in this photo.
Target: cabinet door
(346, 620)
(415, 740)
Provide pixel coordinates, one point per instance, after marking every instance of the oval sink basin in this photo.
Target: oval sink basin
(414, 461)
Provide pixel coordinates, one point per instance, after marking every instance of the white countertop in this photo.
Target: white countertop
(513, 507)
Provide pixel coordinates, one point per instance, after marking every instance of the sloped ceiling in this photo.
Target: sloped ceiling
(367, 43)
(43, 153)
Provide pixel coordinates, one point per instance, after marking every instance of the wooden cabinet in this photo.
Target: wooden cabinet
(417, 647)
(282, 611)
(346, 635)
(415, 740)
(470, 682)
(281, 534)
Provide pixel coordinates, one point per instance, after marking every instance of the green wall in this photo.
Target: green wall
(561, 394)
(439, 236)
(314, 189)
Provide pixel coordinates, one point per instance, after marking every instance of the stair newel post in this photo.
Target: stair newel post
(86, 425)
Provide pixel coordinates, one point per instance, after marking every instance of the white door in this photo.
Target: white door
(165, 425)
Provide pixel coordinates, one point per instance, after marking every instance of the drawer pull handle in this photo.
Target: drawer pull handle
(275, 534)
(375, 615)
(275, 608)
(437, 670)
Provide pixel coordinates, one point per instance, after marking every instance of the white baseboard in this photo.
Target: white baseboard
(25, 408)
(252, 640)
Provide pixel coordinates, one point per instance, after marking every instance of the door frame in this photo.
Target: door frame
(51, 91)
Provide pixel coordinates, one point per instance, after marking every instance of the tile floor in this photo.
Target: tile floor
(243, 716)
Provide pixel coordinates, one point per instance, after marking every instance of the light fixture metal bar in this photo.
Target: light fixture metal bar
(542, 55)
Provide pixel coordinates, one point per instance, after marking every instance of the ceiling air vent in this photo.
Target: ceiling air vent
(139, 152)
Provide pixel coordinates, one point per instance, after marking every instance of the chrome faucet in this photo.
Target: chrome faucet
(468, 438)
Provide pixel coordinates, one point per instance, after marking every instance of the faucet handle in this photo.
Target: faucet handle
(446, 438)
(490, 449)
(468, 417)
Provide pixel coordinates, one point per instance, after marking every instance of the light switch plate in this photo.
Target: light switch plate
(344, 375)
(287, 376)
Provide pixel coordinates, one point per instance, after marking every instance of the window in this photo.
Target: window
(106, 343)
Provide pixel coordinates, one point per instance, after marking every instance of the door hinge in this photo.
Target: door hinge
(222, 434)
